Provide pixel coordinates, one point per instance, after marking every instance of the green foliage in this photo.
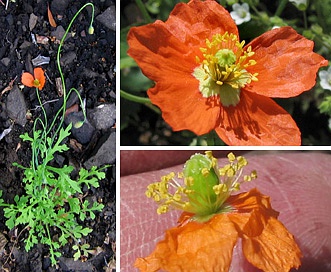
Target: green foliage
(52, 198)
(82, 250)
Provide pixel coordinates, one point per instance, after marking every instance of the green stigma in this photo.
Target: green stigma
(223, 71)
(36, 83)
(225, 57)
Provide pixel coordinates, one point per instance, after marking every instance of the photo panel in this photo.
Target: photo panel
(267, 210)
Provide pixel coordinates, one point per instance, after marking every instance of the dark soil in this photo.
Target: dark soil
(88, 64)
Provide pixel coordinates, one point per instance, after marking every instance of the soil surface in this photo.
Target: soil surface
(88, 64)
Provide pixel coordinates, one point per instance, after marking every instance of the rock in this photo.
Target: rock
(4, 133)
(5, 61)
(67, 264)
(59, 32)
(40, 60)
(32, 21)
(108, 18)
(106, 153)
(16, 106)
(82, 134)
(10, 19)
(103, 116)
(68, 58)
(59, 6)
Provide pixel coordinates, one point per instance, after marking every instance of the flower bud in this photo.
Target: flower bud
(91, 30)
(79, 124)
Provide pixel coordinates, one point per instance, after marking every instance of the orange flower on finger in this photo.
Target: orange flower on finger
(207, 79)
(213, 220)
(37, 80)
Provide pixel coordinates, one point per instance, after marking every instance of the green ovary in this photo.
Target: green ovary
(201, 178)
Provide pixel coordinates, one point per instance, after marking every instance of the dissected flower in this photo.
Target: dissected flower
(325, 77)
(37, 80)
(207, 79)
(214, 219)
(240, 13)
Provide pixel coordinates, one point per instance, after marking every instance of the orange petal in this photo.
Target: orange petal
(252, 211)
(50, 17)
(274, 250)
(286, 63)
(192, 23)
(266, 242)
(27, 79)
(176, 92)
(158, 56)
(194, 247)
(183, 107)
(39, 74)
(257, 120)
(166, 53)
(174, 44)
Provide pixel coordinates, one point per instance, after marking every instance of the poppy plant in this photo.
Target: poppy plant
(37, 80)
(207, 79)
(213, 220)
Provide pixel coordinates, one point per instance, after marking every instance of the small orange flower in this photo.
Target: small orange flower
(206, 79)
(213, 221)
(37, 81)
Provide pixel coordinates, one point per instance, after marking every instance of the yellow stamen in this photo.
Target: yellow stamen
(206, 193)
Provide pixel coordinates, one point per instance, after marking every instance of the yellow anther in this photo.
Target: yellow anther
(157, 198)
(236, 186)
(188, 181)
(254, 174)
(205, 172)
(177, 197)
(241, 162)
(220, 188)
(231, 157)
(162, 209)
(230, 172)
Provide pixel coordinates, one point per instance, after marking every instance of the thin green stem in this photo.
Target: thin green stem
(44, 136)
(58, 60)
(36, 143)
(251, 5)
(62, 107)
(138, 99)
(134, 98)
(281, 7)
(144, 11)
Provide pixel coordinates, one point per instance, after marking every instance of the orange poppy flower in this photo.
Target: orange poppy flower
(213, 221)
(37, 81)
(206, 79)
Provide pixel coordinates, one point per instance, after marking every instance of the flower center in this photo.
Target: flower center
(36, 83)
(242, 13)
(223, 71)
(205, 188)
